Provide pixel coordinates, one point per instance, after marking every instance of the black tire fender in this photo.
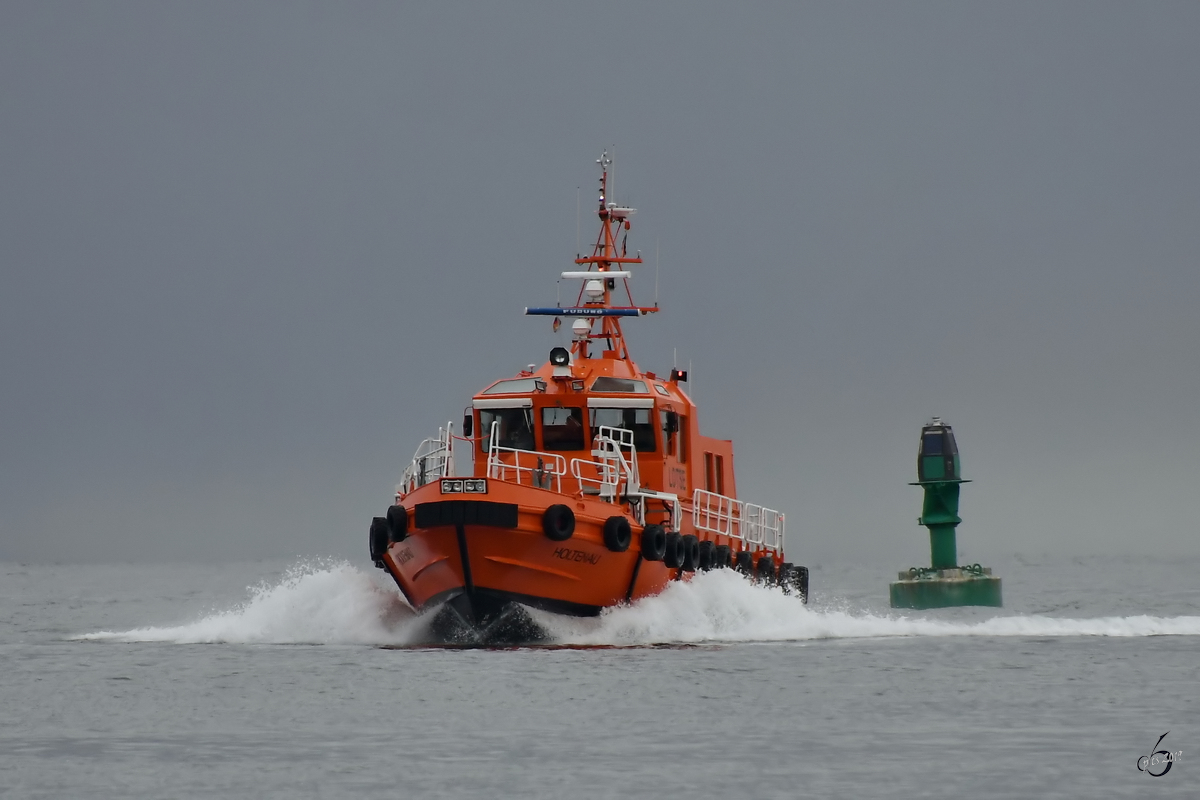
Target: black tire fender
(691, 552)
(397, 521)
(378, 538)
(558, 522)
(617, 534)
(706, 556)
(745, 563)
(654, 543)
(787, 577)
(721, 556)
(674, 555)
(800, 581)
(765, 571)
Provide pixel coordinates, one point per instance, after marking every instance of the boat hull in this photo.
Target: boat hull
(482, 555)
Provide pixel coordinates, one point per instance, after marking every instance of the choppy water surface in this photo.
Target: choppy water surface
(179, 681)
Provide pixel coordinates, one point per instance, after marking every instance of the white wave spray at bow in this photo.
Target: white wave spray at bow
(340, 604)
(313, 603)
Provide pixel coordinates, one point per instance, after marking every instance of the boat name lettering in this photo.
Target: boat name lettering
(567, 554)
(404, 556)
(677, 478)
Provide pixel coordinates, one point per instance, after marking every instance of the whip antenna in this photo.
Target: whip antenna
(656, 272)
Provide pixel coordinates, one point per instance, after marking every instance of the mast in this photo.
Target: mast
(597, 299)
(605, 258)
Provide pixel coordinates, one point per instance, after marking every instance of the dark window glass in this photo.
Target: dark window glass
(562, 428)
(638, 420)
(669, 435)
(931, 444)
(515, 386)
(619, 385)
(516, 427)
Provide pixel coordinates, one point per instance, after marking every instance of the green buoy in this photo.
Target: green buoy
(944, 583)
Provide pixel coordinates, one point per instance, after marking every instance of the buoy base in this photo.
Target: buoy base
(945, 588)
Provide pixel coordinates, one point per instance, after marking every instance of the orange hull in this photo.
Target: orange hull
(579, 575)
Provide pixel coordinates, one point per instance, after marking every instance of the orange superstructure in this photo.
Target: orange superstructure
(590, 484)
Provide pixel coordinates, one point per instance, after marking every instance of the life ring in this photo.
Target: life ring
(617, 534)
(721, 556)
(558, 522)
(674, 555)
(378, 539)
(691, 552)
(654, 543)
(397, 521)
(706, 556)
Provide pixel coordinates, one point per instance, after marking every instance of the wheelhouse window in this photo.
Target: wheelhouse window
(515, 429)
(562, 428)
(514, 386)
(683, 439)
(619, 385)
(668, 431)
(638, 420)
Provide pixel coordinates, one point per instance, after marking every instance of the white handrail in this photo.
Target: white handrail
(549, 470)
(433, 460)
(615, 464)
(725, 516)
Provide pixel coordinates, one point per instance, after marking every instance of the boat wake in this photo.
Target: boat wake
(341, 604)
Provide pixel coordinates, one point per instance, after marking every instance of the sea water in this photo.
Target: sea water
(299, 680)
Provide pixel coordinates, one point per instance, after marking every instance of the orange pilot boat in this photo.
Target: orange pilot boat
(590, 485)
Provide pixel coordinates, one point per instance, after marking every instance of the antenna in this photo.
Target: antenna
(577, 235)
(656, 272)
(605, 162)
(612, 176)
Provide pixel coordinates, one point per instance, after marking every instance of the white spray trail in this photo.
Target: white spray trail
(340, 604)
(311, 604)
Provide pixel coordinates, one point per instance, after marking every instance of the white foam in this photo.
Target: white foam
(340, 604)
(723, 607)
(314, 603)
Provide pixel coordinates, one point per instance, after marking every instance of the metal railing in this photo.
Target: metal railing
(725, 516)
(614, 466)
(433, 461)
(544, 470)
(763, 526)
(613, 471)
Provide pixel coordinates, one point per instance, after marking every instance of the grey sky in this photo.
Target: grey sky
(251, 254)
